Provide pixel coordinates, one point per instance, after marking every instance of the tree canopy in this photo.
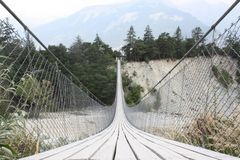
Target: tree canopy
(165, 46)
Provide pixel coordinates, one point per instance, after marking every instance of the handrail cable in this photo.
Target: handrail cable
(25, 27)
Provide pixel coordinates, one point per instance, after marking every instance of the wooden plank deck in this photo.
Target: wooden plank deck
(122, 141)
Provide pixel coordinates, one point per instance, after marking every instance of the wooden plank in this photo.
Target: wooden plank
(141, 151)
(89, 150)
(163, 151)
(107, 151)
(53, 154)
(169, 151)
(68, 152)
(123, 150)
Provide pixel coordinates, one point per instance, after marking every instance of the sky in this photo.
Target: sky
(37, 12)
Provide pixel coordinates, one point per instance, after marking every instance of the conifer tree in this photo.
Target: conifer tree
(179, 49)
(197, 34)
(131, 40)
(148, 37)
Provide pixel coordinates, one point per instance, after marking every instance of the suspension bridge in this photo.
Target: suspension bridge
(195, 104)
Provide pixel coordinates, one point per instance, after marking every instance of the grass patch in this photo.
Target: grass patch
(24, 144)
(14, 140)
(215, 133)
(210, 132)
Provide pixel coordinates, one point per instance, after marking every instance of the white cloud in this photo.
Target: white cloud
(126, 18)
(228, 2)
(129, 17)
(157, 16)
(177, 18)
(192, 2)
(90, 15)
(181, 2)
(160, 15)
(207, 11)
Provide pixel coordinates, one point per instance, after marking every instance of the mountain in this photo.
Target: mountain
(112, 22)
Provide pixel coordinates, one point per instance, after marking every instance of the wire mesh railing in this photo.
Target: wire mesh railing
(40, 107)
(198, 102)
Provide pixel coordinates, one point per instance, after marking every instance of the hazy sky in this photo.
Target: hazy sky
(37, 12)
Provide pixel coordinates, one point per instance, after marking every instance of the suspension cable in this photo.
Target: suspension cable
(25, 27)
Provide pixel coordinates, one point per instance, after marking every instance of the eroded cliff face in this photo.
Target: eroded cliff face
(194, 84)
(148, 74)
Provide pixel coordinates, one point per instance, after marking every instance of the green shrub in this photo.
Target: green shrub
(132, 90)
(126, 81)
(6, 92)
(222, 76)
(146, 59)
(34, 94)
(15, 142)
(134, 94)
(7, 127)
(29, 88)
(134, 73)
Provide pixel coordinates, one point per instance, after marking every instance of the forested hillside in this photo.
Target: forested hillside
(92, 63)
(167, 46)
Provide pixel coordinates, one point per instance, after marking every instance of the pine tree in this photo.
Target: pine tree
(165, 44)
(100, 45)
(76, 50)
(98, 41)
(6, 31)
(29, 43)
(148, 37)
(131, 37)
(131, 40)
(149, 49)
(188, 44)
(178, 43)
(178, 34)
(78, 41)
(197, 34)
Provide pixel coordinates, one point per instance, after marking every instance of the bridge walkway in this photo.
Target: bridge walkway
(122, 141)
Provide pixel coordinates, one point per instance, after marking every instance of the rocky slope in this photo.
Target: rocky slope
(194, 85)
